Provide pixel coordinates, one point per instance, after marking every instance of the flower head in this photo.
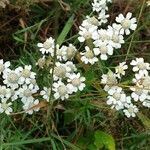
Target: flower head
(47, 47)
(88, 56)
(5, 106)
(127, 23)
(61, 90)
(130, 110)
(120, 70)
(76, 82)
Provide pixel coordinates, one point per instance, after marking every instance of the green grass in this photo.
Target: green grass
(73, 124)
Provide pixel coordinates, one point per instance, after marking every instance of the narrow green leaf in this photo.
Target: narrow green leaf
(65, 30)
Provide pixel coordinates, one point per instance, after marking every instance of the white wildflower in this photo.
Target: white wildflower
(109, 80)
(116, 38)
(3, 65)
(5, 93)
(139, 93)
(26, 74)
(46, 93)
(86, 33)
(101, 35)
(76, 82)
(89, 21)
(61, 52)
(5, 107)
(127, 23)
(61, 90)
(88, 56)
(47, 47)
(70, 52)
(31, 105)
(120, 70)
(130, 110)
(118, 99)
(11, 78)
(103, 17)
(26, 93)
(60, 71)
(140, 66)
(70, 67)
(14, 94)
(146, 102)
(103, 50)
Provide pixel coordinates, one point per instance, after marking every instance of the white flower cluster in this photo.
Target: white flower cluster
(65, 76)
(102, 42)
(18, 84)
(100, 6)
(63, 53)
(140, 91)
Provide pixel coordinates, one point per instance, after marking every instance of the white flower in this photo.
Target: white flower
(116, 38)
(46, 93)
(142, 83)
(31, 105)
(3, 65)
(88, 56)
(103, 50)
(33, 84)
(61, 52)
(70, 52)
(26, 93)
(60, 71)
(130, 110)
(41, 62)
(76, 82)
(5, 107)
(5, 93)
(47, 47)
(26, 74)
(109, 80)
(61, 90)
(70, 67)
(14, 94)
(146, 102)
(11, 78)
(140, 66)
(139, 93)
(103, 17)
(120, 70)
(101, 35)
(99, 5)
(89, 21)
(115, 99)
(127, 23)
(86, 33)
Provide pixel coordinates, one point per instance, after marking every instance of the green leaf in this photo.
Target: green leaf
(103, 139)
(65, 30)
(145, 120)
(92, 147)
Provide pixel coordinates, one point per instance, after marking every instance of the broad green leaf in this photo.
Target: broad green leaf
(65, 30)
(145, 120)
(103, 139)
